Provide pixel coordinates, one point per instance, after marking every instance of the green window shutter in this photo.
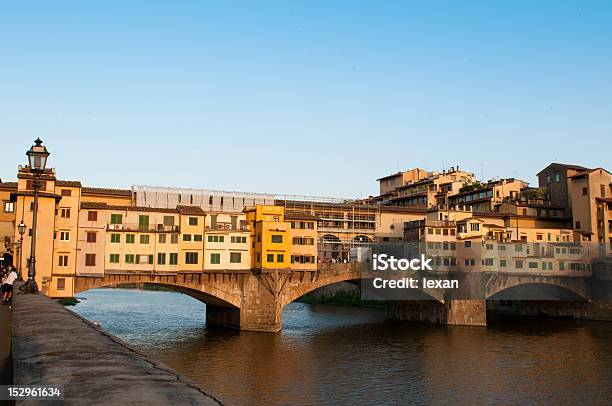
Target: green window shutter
(143, 222)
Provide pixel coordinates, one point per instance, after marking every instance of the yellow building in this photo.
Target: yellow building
(303, 235)
(270, 237)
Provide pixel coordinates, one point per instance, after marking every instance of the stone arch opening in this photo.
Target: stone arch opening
(536, 292)
(211, 296)
(6, 259)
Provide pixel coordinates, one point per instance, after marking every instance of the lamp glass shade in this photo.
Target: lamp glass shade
(21, 227)
(37, 156)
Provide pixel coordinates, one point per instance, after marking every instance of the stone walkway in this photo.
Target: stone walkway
(54, 346)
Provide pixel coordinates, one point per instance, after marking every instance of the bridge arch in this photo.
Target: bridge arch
(537, 291)
(207, 292)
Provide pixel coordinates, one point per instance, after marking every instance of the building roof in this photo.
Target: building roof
(300, 216)
(68, 183)
(105, 206)
(567, 166)
(588, 171)
(393, 175)
(8, 185)
(190, 210)
(106, 191)
(31, 193)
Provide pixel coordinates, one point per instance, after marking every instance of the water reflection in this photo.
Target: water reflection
(331, 355)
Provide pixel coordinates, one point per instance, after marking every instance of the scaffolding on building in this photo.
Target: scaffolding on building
(209, 200)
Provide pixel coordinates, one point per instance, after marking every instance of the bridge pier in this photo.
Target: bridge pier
(452, 312)
(223, 316)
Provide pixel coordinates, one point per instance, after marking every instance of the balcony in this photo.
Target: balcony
(228, 226)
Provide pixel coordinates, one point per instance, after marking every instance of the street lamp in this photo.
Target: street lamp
(21, 227)
(37, 157)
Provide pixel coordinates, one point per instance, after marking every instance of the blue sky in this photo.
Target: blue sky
(316, 98)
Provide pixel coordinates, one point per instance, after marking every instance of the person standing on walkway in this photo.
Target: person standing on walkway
(7, 286)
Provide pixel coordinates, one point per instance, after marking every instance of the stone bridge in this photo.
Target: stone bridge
(254, 299)
(243, 299)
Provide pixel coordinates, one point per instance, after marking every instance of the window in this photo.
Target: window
(130, 238)
(235, 257)
(191, 258)
(162, 238)
(280, 258)
(430, 230)
(488, 261)
(213, 221)
(66, 192)
(475, 227)
(173, 238)
(115, 238)
(62, 260)
(519, 263)
(129, 258)
(577, 225)
(467, 244)
(64, 235)
(533, 265)
(186, 237)
(585, 191)
(216, 259)
(469, 262)
(113, 258)
(539, 237)
(276, 218)
(234, 222)
(193, 221)
(65, 212)
(270, 257)
(161, 258)
(277, 239)
(61, 283)
(557, 178)
(116, 218)
(197, 237)
(144, 238)
(90, 259)
(143, 222)
(502, 263)
(489, 247)
(9, 207)
(173, 260)
(91, 236)
(518, 248)
(169, 221)
(238, 240)
(92, 215)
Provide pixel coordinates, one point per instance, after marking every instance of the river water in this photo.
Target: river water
(347, 355)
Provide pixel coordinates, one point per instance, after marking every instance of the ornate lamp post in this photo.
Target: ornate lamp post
(21, 227)
(37, 157)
